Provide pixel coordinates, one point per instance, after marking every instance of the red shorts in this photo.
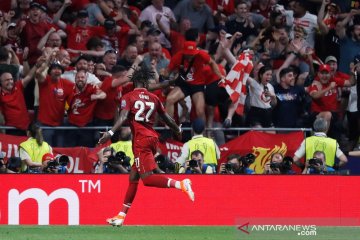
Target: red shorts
(144, 150)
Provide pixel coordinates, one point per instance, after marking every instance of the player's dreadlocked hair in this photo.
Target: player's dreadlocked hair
(142, 74)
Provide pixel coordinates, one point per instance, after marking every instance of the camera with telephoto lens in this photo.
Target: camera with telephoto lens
(119, 158)
(316, 166)
(285, 166)
(247, 160)
(193, 163)
(14, 164)
(315, 162)
(228, 166)
(165, 164)
(60, 161)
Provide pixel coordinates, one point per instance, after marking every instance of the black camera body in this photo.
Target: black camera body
(228, 167)
(285, 166)
(193, 163)
(247, 160)
(119, 158)
(315, 162)
(165, 164)
(59, 161)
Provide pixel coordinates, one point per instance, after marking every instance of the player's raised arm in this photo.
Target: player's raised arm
(122, 118)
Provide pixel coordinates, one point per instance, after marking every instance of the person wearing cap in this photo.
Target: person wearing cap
(116, 36)
(34, 29)
(188, 64)
(46, 159)
(152, 36)
(79, 34)
(33, 149)
(54, 92)
(323, 92)
(206, 145)
(82, 63)
(157, 8)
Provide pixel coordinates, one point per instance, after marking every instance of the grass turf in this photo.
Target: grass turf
(163, 233)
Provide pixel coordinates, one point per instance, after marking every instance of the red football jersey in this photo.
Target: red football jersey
(14, 108)
(142, 106)
(195, 75)
(81, 110)
(52, 98)
(79, 36)
(328, 102)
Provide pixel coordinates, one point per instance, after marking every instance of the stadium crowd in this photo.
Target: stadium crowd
(68, 63)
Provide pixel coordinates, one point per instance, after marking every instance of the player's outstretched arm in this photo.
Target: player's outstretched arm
(171, 123)
(107, 135)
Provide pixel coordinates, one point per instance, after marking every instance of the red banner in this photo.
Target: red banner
(81, 199)
(262, 145)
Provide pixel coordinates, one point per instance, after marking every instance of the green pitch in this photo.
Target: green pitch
(164, 233)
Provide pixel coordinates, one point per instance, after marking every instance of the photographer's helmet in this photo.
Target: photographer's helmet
(47, 157)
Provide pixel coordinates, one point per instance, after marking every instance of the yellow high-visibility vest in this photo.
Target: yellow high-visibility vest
(324, 144)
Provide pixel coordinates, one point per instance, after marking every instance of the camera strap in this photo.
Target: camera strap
(182, 71)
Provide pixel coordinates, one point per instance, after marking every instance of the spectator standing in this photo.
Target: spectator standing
(349, 41)
(262, 98)
(290, 101)
(167, 16)
(12, 102)
(54, 92)
(198, 12)
(308, 21)
(82, 103)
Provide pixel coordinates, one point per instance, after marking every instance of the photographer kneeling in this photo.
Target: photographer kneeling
(317, 165)
(196, 165)
(279, 164)
(237, 165)
(111, 162)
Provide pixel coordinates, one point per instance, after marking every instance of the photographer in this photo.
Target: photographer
(3, 168)
(196, 165)
(317, 165)
(279, 164)
(164, 164)
(12, 165)
(207, 146)
(54, 164)
(237, 165)
(109, 162)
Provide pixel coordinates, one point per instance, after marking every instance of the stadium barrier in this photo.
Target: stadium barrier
(219, 200)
